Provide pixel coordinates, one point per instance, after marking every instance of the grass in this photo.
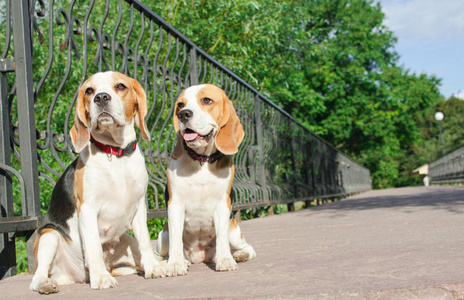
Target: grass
(21, 255)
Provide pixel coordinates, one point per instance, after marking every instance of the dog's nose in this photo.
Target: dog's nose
(102, 98)
(185, 115)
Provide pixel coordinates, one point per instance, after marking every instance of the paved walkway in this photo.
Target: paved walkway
(391, 244)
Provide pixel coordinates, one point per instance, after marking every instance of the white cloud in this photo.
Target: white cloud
(420, 20)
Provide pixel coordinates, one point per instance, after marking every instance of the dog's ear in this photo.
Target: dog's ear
(179, 148)
(230, 133)
(175, 118)
(80, 133)
(141, 110)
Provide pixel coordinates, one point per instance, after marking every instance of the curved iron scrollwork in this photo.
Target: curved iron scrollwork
(279, 161)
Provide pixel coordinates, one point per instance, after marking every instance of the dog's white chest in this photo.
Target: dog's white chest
(200, 189)
(115, 192)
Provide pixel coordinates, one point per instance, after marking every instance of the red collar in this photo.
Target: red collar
(116, 151)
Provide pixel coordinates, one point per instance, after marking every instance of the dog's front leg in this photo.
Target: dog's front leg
(150, 265)
(224, 259)
(176, 263)
(100, 278)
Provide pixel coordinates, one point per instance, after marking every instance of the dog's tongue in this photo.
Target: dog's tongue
(190, 136)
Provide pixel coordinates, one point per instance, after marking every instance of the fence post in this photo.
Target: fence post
(7, 244)
(291, 206)
(22, 37)
(193, 66)
(259, 139)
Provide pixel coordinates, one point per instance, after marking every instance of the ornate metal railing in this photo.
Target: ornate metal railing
(448, 169)
(51, 47)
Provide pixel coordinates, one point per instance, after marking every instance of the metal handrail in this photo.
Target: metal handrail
(448, 169)
(58, 44)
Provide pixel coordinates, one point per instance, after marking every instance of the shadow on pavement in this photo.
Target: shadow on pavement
(405, 199)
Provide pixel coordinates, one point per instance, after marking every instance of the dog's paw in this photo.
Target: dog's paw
(245, 254)
(226, 264)
(103, 280)
(155, 270)
(177, 268)
(44, 286)
(187, 263)
(158, 256)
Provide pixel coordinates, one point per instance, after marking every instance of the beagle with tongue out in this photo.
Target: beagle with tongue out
(200, 176)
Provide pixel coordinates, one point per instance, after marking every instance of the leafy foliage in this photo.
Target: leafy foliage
(330, 63)
(429, 149)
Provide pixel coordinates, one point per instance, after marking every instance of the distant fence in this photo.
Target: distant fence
(51, 47)
(448, 169)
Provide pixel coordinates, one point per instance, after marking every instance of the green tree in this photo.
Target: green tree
(330, 63)
(429, 148)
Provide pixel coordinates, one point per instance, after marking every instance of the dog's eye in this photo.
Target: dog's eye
(121, 87)
(180, 105)
(89, 91)
(207, 101)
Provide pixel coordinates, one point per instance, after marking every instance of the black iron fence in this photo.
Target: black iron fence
(449, 169)
(49, 49)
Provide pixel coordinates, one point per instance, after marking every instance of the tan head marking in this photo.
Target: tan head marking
(215, 107)
(133, 100)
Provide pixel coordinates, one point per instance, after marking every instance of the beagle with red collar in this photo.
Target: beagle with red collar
(100, 195)
(200, 176)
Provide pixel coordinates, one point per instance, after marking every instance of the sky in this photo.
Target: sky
(430, 37)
